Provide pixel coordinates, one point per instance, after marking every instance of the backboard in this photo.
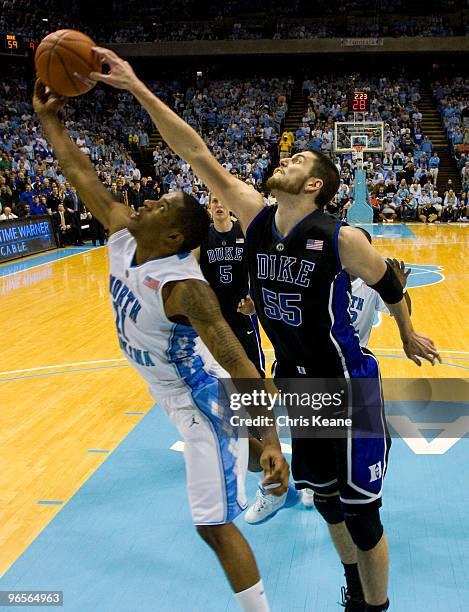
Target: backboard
(350, 134)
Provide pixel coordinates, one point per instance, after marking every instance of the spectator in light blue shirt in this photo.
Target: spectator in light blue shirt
(427, 145)
(402, 192)
(434, 164)
(424, 198)
(303, 131)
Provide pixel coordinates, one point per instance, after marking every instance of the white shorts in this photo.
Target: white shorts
(216, 463)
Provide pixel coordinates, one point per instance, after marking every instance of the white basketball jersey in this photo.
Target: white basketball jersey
(365, 302)
(168, 355)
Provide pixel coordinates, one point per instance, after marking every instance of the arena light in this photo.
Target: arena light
(45, 19)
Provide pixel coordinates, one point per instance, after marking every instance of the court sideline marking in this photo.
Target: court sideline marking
(120, 359)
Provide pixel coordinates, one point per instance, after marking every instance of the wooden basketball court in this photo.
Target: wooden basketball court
(69, 398)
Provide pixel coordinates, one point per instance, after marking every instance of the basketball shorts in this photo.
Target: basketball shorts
(216, 461)
(353, 465)
(246, 329)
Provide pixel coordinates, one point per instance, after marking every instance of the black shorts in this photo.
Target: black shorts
(246, 329)
(353, 465)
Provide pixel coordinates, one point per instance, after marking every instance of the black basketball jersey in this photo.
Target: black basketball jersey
(302, 295)
(224, 265)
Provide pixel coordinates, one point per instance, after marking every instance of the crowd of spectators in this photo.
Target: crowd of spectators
(432, 25)
(242, 122)
(398, 191)
(402, 179)
(239, 120)
(452, 96)
(188, 23)
(107, 125)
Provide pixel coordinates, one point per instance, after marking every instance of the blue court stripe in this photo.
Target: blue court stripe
(123, 365)
(97, 450)
(20, 265)
(49, 502)
(454, 365)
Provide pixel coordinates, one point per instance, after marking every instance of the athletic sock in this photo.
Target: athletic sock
(380, 608)
(352, 577)
(253, 599)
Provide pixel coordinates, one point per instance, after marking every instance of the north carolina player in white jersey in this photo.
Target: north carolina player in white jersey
(172, 332)
(366, 302)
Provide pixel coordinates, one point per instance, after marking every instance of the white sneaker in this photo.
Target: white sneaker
(266, 505)
(307, 497)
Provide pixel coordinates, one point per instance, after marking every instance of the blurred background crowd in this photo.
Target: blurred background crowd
(249, 122)
(136, 21)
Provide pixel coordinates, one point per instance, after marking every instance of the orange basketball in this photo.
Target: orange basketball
(62, 54)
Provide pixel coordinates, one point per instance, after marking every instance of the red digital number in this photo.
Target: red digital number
(359, 101)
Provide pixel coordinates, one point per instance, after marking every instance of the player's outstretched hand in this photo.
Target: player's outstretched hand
(45, 101)
(416, 346)
(399, 268)
(121, 74)
(246, 306)
(276, 470)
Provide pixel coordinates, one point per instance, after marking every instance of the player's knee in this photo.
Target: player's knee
(329, 508)
(213, 535)
(366, 529)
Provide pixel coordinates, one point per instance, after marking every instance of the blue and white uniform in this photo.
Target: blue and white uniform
(182, 376)
(364, 304)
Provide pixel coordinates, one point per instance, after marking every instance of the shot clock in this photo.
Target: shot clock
(359, 101)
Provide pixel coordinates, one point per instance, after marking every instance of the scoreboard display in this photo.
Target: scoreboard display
(359, 101)
(15, 44)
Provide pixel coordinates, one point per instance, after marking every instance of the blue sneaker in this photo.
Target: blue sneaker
(267, 505)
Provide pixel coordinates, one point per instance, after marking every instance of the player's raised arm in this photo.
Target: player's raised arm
(197, 303)
(360, 259)
(76, 165)
(243, 199)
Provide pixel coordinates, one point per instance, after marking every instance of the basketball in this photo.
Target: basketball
(60, 55)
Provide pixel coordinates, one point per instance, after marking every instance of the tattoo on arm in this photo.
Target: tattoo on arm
(199, 304)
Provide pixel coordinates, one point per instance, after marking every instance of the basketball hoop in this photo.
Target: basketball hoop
(359, 149)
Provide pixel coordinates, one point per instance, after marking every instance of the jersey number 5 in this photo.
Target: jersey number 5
(225, 274)
(281, 307)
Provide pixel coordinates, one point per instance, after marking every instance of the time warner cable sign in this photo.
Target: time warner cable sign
(22, 237)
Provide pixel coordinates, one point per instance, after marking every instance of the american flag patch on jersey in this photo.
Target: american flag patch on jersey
(239, 240)
(148, 281)
(314, 245)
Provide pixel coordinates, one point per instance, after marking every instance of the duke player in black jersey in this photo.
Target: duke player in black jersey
(223, 259)
(299, 262)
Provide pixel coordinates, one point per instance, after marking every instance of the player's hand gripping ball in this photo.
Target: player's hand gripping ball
(64, 60)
